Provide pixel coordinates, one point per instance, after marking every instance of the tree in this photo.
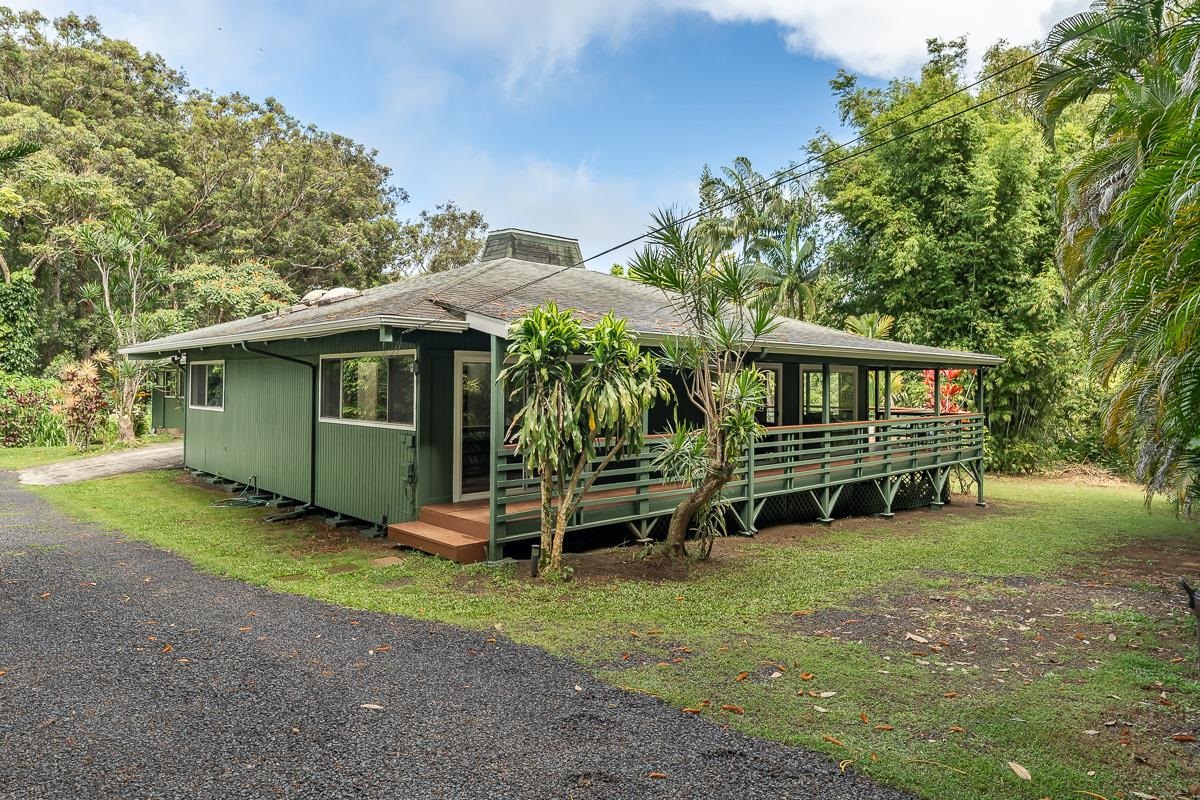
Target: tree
(1130, 242)
(872, 324)
(569, 419)
(716, 297)
(443, 239)
(741, 208)
(213, 294)
(790, 270)
(951, 228)
(130, 271)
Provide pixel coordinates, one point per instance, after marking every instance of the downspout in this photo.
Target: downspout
(312, 443)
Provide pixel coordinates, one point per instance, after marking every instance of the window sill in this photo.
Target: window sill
(365, 423)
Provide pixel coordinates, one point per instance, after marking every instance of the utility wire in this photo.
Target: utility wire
(782, 177)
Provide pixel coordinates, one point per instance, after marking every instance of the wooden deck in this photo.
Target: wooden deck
(818, 460)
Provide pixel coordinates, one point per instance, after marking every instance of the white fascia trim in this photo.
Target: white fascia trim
(327, 328)
(486, 324)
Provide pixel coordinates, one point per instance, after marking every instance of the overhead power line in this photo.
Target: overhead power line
(789, 175)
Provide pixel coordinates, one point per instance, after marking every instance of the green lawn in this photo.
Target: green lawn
(15, 458)
(1077, 664)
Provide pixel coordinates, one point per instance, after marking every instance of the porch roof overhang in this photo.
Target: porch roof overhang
(897, 354)
(161, 347)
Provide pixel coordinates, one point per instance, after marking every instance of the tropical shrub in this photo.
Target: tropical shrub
(29, 415)
(19, 302)
(568, 417)
(85, 403)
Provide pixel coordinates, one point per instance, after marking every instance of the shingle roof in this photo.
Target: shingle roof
(504, 289)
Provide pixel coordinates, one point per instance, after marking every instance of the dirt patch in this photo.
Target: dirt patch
(1087, 475)
(977, 633)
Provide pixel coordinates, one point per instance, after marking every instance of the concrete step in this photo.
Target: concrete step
(450, 544)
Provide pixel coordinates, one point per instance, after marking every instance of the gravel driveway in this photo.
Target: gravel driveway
(125, 673)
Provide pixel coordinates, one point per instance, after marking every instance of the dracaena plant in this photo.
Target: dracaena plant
(574, 423)
(716, 298)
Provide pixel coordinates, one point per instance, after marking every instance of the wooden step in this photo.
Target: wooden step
(454, 545)
(469, 520)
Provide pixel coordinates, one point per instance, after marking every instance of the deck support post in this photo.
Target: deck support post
(887, 392)
(938, 477)
(937, 391)
(979, 501)
(495, 551)
(748, 528)
(887, 490)
(826, 499)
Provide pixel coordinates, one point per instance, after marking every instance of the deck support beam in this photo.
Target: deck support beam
(979, 375)
(887, 488)
(826, 499)
(938, 477)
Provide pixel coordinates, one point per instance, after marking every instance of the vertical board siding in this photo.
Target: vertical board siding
(364, 471)
(435, 454)
(263, 433)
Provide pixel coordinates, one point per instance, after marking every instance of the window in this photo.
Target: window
(168, 383)
(769, 415)
(372, 389)
(842, 396)
(206, 386)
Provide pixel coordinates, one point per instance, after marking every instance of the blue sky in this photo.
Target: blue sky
(575, 117)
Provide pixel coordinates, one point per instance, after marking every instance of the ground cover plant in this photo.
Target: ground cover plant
(948, 653)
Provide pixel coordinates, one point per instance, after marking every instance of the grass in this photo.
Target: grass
(686, 641)
(16, 458)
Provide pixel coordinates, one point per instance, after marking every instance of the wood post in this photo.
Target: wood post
(495, 449)
(979, 501)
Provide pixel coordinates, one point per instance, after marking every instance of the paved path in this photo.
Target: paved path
(124, 673)
(139, 459)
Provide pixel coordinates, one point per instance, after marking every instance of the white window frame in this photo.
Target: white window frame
(462, 357)
(224, 374)
(178, 382)
(369, 423)
(777, 368)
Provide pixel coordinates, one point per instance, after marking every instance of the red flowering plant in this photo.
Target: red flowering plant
(951, 390)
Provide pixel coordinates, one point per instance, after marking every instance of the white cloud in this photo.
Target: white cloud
(535, 38)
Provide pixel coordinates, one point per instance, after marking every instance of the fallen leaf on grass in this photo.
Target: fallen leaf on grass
(824, 695)
(1090, 794)
(732, 709)
(845, 763)
(950, 694)
(884, 728)
(166, 648)
(243, 630)
(658, 776)
(833, 740)
(806, 676)
(383, 648)
(918, 639)
(1143, 796)
(820, 710)
(1090, 732)
(957, 729)
(1183, 737)
(693, 711)
(741, 676)
(863, 716)
(1019, 771)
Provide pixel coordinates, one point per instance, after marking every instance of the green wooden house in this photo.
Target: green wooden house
(382, 406)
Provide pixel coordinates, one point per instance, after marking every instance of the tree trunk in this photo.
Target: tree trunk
(127, 402)
(547, 516)
(560, 535)
(681, 519)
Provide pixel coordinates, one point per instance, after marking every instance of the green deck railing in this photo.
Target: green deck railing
(820, 459)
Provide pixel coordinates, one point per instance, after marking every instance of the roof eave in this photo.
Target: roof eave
(309, 331)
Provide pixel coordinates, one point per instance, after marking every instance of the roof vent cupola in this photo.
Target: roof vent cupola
(541, 248)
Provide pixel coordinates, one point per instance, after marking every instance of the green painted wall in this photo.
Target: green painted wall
(165, 412)
(367, 472)
(262, 433)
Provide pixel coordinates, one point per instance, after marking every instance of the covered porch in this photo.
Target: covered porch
(859, 456)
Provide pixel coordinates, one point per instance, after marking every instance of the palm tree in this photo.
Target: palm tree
(788, 270)
(873, 325)
(1130, 244)
(746, 207)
